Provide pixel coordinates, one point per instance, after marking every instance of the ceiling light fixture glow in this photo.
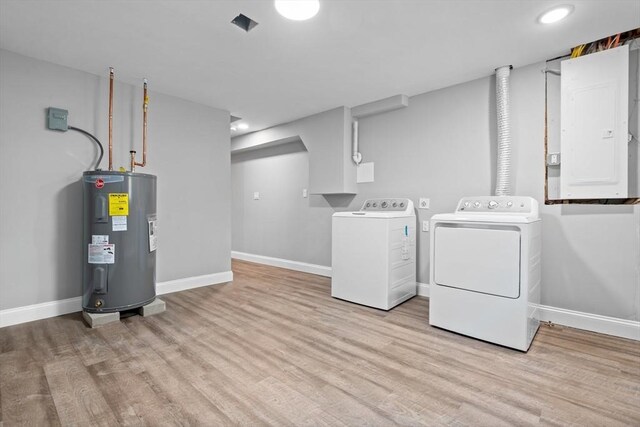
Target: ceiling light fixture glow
(556, 14)
(243, 126)
(297, 10)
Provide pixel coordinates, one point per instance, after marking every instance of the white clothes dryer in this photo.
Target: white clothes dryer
(373, 253)
(486, 270)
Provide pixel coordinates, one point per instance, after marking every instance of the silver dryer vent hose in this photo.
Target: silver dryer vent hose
(503, 176)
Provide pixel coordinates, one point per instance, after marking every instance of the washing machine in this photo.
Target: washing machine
(373, 253)
(486, 270)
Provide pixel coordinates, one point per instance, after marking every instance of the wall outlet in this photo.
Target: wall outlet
(425, 226)
(305, 193)
(424, 203)
(256, 195)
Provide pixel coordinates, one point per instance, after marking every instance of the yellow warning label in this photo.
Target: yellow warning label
(118, 204)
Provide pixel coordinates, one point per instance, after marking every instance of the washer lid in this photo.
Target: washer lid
(361, 214)
(381, 208)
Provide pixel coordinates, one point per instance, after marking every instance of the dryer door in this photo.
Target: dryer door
(485, 260)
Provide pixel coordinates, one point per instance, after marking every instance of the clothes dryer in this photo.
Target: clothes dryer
(485, 270)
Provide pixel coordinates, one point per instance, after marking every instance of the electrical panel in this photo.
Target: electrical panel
(594, 125)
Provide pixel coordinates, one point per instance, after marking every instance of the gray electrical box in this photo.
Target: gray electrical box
(57, 118)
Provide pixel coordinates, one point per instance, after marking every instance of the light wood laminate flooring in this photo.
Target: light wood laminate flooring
(273, 348)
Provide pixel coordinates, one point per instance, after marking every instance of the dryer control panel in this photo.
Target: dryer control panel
(387, 205)
(499, 204)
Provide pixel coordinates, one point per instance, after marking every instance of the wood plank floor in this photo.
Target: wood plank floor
(273, 348)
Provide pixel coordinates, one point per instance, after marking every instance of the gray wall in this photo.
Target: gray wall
(41, 200)
(442, 147)
(326, 136)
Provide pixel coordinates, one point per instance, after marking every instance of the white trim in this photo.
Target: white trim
(29, 313)
(193, 282)
(591, 322)
(320, 270)
(423, 289)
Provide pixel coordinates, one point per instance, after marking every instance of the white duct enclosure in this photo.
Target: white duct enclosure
(503, 176)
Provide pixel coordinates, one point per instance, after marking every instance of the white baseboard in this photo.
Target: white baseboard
(423, 289)
(320, 270)
(591, 322)
(193, 282)
(29, 313)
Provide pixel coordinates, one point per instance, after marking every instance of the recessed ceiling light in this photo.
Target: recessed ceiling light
(556, 14)
(297, 10)
(243, 126)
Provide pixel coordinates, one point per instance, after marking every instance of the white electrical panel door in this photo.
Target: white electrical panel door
(594, 114)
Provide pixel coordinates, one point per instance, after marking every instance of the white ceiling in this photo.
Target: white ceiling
(352, 52)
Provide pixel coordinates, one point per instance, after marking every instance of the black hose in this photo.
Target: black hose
(95, 139)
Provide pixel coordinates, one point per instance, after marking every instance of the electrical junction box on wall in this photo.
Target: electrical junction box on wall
(57, 118)
(594, 125)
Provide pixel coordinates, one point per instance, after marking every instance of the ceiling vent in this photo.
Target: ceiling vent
(244, 22)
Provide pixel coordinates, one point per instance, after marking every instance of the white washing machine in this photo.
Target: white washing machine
(373, 253)
(486, 269)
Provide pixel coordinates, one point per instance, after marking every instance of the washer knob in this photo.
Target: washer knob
(394, 204)
(467, 204)
(402, 204)
(476, 204)
(509, 204)
(385, 204)
(493, 204)
(375, 205)
(368, 204)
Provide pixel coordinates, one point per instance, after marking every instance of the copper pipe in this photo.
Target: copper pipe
(132, 153)
(111, 118)
(145, 107)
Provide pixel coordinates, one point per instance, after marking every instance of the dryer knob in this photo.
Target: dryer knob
(394, 204)
(384, 204)
(493, 204)
(476, 204)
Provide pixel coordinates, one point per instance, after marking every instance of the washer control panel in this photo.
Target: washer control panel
(498, 204)
(387, 205)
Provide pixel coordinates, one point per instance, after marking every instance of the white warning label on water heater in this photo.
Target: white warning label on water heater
(153, 233)
(119, 223)
(102, 254)
(99, 239)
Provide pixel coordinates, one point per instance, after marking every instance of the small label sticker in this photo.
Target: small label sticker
(118, 204)
(99, 183)
(118, 223)
(102, 254)
(99, 239)
(153, 233)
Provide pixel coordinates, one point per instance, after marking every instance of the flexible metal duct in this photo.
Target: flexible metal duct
(355, 154)
(503, 177)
